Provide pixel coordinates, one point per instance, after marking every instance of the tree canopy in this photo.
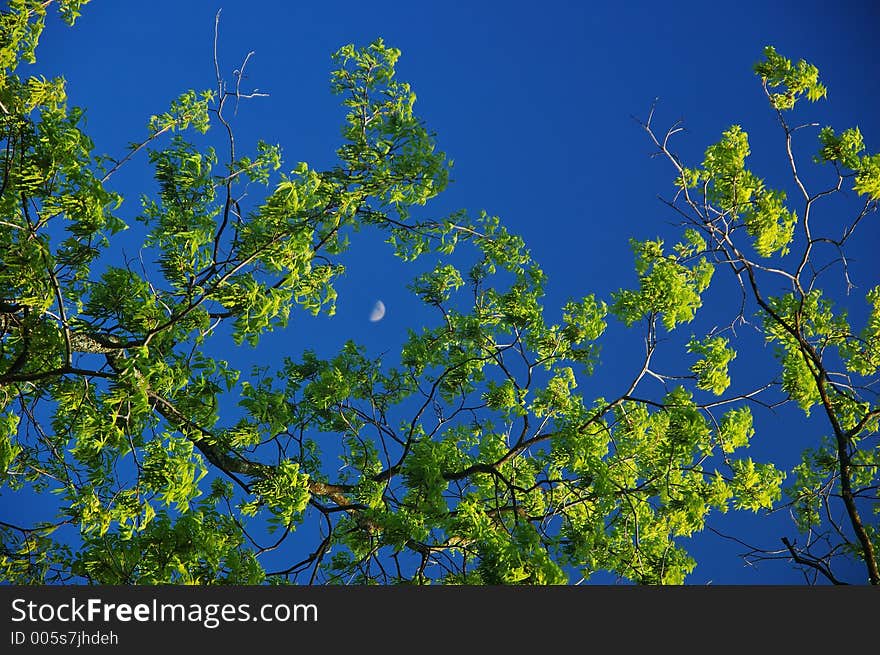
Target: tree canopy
(468, 457)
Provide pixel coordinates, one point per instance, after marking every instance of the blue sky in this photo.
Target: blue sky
(535, 104)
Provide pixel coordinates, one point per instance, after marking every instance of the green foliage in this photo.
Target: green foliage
(862, 353)
(868, 177)
(711, 371)
(816, 323)
(735, 429)
(285, 493)
(201, 547)
(667, 286)
(20, 27)
(9, 450)
(171, 469)
(755, 486)
(846, 149)
(387, 149)
(435, 288)
(794, 79)
(475, 455)
(741, 195)
(190, 109)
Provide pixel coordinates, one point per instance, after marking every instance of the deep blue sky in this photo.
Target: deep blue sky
(533, 101)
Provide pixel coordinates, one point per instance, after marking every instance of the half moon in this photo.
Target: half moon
(378, 311)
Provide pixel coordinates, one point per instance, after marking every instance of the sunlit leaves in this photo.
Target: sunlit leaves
(124, 302)
(667, 287)
(755, 486)
(30, 558)
(724, 164)
(519, 559)
(736, 429)
(556, 397)
(863, 353)
(20, 29)
(50, 171)
(503, 396)
(435, 288)
(386, 141)
(711, 371)
(172, 469)
(9, 449)
(476, 453)
(847, 148)
(424, 472)
(810, 476)
(816, 321)
(740, 193)
(285, 493)
(868, 177)
(793, 80)
(190, 109)
(203, 546)
(769, 222)
(584, 320)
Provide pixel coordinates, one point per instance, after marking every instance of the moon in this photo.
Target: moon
(378, 312)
